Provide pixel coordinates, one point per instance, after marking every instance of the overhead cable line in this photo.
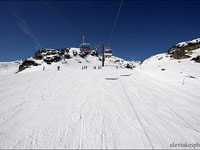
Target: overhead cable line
(61, 17)
(115, 21)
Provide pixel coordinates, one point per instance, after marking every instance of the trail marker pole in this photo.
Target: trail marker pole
(183, 81)
(103, 57)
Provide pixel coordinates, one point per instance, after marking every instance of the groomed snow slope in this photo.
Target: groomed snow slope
(105, 108)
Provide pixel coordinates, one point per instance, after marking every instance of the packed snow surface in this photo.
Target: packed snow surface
(147, 107)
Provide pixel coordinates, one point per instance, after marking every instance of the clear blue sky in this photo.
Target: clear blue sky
(144, 28)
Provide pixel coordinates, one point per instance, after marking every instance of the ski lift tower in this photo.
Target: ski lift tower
(103, 57)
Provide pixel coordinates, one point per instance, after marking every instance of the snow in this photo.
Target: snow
(74, 49)
(175, 69)
(182, 44)
(104, 108)
(9, 67)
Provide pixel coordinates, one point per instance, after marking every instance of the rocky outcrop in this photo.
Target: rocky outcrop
(82, 54)
(196, 59)
(181, 50)
(44, 52)
(55, 58)
(48, 55)
(26, 64)
(94, 53)
(65, 53)
(75, 53)
(180, 54)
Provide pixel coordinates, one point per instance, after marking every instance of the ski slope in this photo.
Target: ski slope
(105, 108)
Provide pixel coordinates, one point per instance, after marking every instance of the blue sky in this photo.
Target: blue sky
(144, 28)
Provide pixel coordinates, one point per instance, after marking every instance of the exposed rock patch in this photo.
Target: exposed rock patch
(94, 53)
(184, 49)
(196, 59)
(26, 64)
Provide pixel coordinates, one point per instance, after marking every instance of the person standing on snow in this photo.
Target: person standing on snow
(58, 68)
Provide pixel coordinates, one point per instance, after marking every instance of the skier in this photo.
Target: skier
(58, 68)
(43, 68)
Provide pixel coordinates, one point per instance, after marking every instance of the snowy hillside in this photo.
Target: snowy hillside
(164, 67)
(181, 44)
(9, 67)
(147, 107)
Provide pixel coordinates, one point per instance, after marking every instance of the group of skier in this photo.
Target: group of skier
(84, 67)
(94, 67)
(99, 67)
(58, 68)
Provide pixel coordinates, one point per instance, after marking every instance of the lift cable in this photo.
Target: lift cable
(115, 21)
(61, 17)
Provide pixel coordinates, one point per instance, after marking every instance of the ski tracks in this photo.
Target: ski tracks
(134, 109)
(171, 109)
(149, 116)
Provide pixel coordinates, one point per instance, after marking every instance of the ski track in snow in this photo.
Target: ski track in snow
(106, 108)
(182, 118)
(145, 132)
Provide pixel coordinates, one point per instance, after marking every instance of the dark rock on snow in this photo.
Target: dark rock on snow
(43, 52)
(94, 53)
(196, 59)
(180, 51)
(82, 54)
(75, 53)
(27, 64)
(51, 55)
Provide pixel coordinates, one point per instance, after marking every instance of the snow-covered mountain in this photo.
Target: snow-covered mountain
(72, 57)
(181, 50)
(155, 105)
(192, 42)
